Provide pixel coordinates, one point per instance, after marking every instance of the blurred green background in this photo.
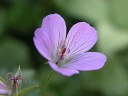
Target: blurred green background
(20, 18)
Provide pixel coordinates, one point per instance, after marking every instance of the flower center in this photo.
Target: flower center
(62, 56)
(62, 52)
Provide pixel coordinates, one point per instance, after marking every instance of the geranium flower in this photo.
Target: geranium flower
(3, 89)
(68, 54)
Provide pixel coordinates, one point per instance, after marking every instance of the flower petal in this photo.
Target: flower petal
(3, 89)
(81, 38)
(63, 70)
(50, 37)
(40, 43)
(87, 61)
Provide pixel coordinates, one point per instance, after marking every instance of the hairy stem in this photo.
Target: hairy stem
(46, 83)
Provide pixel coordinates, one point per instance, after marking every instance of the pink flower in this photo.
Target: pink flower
(3, 89)
(68, 54)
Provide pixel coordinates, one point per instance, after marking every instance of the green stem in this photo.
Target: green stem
(47, 82)
(28, 89)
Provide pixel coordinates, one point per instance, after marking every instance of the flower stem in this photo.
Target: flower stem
(47, 82)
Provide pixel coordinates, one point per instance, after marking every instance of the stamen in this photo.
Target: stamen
(63, 53)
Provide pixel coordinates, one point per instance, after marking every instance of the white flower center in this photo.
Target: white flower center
(62, 56)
